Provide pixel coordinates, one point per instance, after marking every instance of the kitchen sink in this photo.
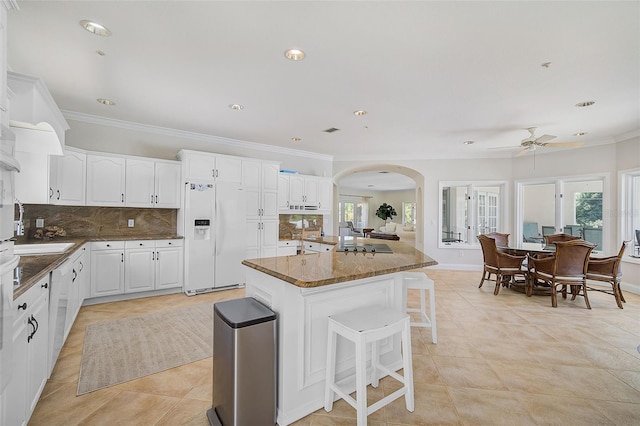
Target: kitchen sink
(43, 248)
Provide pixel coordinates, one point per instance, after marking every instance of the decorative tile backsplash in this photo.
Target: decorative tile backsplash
(83, 221)
(291, 225)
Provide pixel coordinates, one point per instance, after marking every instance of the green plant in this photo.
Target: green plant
(386, 211)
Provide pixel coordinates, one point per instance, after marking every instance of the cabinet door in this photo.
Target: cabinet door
(140, 183)
(270, 176)
(200, 166)
(269, 238)
(107, 272)
(296, 190)
(283, 192)
(68, 186)
(169, 267)
(311, 190)
(15, 410)
(105, 180)
(325, 196)
(253, 204)
(254, 230)
(167, 195)
(228, 169)
(269, 205)
(37, 351)
(251, 173)
(73, 298)
(139, 270)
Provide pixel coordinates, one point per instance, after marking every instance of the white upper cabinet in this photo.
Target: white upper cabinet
(105, 181)
(260, 180)
(211, 167)
(152, 183)
(140, 183)
(67, 178)
(167, 184)
(305, 193)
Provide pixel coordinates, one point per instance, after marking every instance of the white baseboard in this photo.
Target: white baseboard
(630, 288)
(457, 267)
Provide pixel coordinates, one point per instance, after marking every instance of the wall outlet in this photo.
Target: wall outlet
(130, 223)
(39, 223)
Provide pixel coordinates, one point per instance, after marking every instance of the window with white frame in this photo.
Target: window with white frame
(630, 209)
(408, 213)
(355, 211)
(469, 209)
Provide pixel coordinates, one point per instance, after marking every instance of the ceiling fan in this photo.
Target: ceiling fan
(532, 143)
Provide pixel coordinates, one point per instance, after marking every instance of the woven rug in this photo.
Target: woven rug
(126, 349)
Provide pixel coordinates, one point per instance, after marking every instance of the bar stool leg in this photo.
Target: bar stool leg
(374, 364)
(331, 368)
(361, 381)
(407, 366)
(432, 312)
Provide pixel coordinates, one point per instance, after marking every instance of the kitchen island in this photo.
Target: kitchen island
(304, 290)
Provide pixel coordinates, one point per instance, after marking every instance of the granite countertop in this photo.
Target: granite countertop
(35, 267)
(318, 269)
(329, 239)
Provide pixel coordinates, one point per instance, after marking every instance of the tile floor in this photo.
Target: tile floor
(504, 359)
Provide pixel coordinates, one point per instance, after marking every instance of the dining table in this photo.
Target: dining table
(537, 250)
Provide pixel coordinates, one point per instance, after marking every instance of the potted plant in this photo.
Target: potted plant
(386, 211)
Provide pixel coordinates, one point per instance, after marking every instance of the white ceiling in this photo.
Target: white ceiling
(430, 74)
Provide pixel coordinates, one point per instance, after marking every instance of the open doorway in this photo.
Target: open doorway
(362, 191)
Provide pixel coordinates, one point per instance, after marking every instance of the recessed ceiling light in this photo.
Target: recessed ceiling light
(468, 142)
(580, 134)
(100, 52)
(546, 65)
(296, 139)
(294, 54)
(585, 104)
(360, 112)
(105, 102)
(95, 28)
(369, 186)
(236, 107)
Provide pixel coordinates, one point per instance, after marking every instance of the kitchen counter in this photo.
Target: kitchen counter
(322, 240)
(34, 267)
(304, 290)
(319, 269)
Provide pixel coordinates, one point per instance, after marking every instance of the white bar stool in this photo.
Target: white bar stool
(363, 326)
(420, 281)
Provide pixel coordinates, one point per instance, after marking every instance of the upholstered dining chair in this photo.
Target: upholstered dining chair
(567, 267)
(554, 238)
(498, 263)
(607, 269)
(502, 240)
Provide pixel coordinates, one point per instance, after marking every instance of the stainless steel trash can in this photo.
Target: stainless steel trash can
(244, 364)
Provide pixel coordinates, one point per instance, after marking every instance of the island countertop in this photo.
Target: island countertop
(319, 269)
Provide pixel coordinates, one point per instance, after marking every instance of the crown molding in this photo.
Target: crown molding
(128, 125)
(10, 4)
(627, 136)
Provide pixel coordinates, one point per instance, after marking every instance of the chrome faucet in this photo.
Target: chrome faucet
(19, 224)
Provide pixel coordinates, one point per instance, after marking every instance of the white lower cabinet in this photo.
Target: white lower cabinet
(288, 247)
(30, 341)
(107, 268)
(152, 265)
(119, 267)
(317, 247)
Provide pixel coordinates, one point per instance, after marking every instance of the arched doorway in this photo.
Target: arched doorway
(417, 177)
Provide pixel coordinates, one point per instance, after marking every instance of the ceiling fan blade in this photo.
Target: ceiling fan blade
(544, 138)
(521, 153)
(563, 145)
(506, 147)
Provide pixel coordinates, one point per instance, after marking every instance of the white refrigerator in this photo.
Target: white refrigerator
(215, 236)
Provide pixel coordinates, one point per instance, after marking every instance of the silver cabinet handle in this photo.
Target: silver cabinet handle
(58, 191)
(156, 199)
(122, 197)
(151, 198)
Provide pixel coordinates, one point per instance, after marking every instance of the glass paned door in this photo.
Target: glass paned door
(538, 211)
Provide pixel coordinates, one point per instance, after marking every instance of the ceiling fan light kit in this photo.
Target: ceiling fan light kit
(531, 143)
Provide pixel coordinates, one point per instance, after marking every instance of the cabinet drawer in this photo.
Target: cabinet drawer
(288, 243)
(169, 243)
(26, 302)
(150, 244)
(107, 245)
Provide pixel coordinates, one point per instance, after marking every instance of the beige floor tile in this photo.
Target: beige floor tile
(563, 410)
(487, 407)
(594, 383)
(432, 406)
(632, 378)
(169, 383)
(132, 408)
(620, 413)
(467, 372)
(187, 412)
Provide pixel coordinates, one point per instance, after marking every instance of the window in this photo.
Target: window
(353, 211)
(568, 205)
(408, 213)
(469, 209)
(630, 210)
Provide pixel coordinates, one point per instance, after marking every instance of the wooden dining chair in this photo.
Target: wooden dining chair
(567, 267)
(607, 269)
(498, 263)
(554, 238)
(502, 240)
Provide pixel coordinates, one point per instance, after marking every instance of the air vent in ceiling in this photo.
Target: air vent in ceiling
(331, 130)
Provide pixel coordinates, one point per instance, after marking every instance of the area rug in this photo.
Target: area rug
(126, 349)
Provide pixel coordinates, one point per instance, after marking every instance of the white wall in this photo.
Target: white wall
(157, 143)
